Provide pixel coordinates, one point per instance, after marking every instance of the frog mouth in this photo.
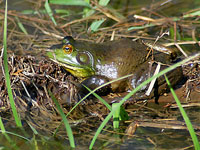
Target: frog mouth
(77, 71)
(66, 66)
(74, 70)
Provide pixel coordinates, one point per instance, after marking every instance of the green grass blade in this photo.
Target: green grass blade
(70, 2)
(185, 117)
(67, 126)
(62, 11)
(101, 128)
(2, 126)
(49, 11)
(4, 132)
(87, 11)
(21, 26)
(119, 115)
(87, 1)
(178, 36)
(123, 114)
(104, 2)
(7, 77)
(116, 115)
(35, 143)
(141, 27)
(149, 25)
(99, 98)
(96, 90)
(32, 128)
(17, 135)
(196, 13)
(3, 129)
(96, 24)
(33, 12)
(134, 91)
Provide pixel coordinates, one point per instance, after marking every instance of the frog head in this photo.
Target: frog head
(73, 56)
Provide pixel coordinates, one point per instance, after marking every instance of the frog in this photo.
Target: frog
(99, 63)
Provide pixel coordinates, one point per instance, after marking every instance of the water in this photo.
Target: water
(145, 137)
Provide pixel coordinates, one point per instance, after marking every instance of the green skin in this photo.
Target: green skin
(112, 60)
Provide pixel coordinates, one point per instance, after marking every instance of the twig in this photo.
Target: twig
(48, 33)
(144, 18)
(25, 89)
(13, 13)
(82, 19)
(153, 81)
(182, 43)
(181, 50)
(1, 60)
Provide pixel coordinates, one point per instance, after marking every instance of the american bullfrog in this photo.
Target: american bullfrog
(100, 63)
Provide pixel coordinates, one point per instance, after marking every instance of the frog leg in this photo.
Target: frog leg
(94, 82)
(160, 86)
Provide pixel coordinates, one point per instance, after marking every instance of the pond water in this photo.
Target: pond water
(151, 132)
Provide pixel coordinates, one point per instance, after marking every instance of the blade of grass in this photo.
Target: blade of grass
(178, 36)
(185, 117)
(62, 11)
(70, 2)
(87, 1)
(96, 90)
(121, 114)
(141, 27)
(104, 2)
(4, 132)
(49, 11)
(99, 98)
(150, 25)
(21, 26)
(133, 92)
(87, 11)
(93, 91)
(35, 143)
(32, 128)
(96, 24)
(7, 77)
(31, 12)
(17, 135)
(116, 115)
(67, 126)
(196, 13)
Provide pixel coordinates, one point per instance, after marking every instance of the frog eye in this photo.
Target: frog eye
(83, 58)
(68, 49)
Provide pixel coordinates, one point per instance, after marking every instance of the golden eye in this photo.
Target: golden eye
(68, 49)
